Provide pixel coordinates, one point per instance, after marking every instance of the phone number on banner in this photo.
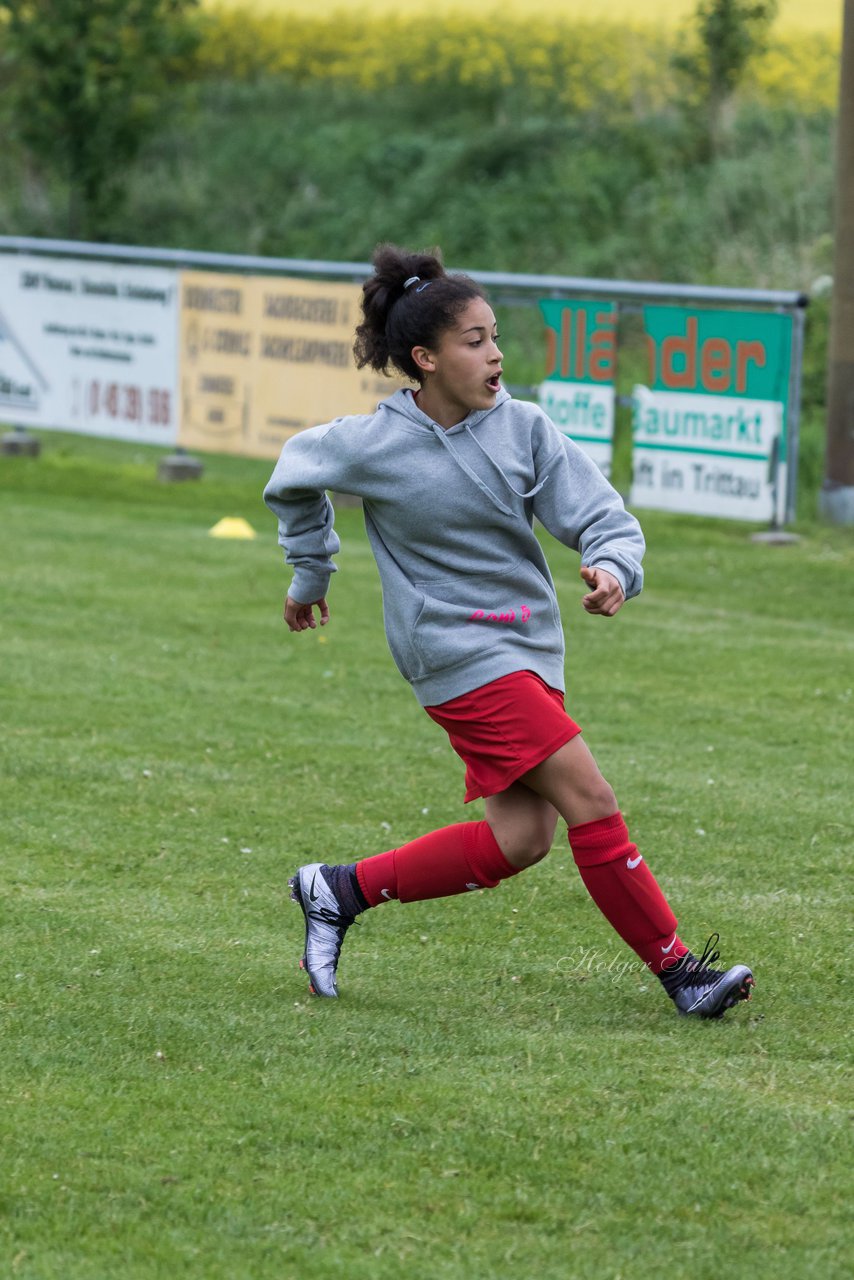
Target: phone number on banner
(121, 402)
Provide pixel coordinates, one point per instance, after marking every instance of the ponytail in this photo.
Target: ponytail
(409, 301)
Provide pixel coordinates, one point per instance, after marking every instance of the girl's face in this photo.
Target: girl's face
(463, 371)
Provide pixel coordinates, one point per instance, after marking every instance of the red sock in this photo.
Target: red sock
(625, 890)
(445, 862)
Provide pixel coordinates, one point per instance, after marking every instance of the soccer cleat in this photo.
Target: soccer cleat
(325, 926)
(696, 988)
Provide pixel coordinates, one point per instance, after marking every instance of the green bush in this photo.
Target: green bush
(315, 171)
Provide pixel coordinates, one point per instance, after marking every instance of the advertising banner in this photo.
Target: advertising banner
(222, 362)
(265, 357)
(217, 356)
(89, 347)
(581, 360)
(709, 432)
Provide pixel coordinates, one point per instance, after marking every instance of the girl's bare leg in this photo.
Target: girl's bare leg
(523, 823)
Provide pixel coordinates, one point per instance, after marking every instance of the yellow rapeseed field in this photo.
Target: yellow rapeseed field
(579, 63)
(805, 15)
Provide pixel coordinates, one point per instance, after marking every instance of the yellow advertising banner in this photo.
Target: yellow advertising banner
(264, 357)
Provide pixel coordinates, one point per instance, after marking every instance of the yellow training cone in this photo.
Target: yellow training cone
(232, 527)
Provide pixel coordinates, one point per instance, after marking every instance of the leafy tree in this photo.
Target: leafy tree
(86, 80)
(726, 36)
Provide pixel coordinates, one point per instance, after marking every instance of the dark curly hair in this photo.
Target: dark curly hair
(397, 318)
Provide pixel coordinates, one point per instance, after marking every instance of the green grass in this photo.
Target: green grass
(499, 1093)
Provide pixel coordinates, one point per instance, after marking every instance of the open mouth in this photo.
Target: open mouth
(494, 383)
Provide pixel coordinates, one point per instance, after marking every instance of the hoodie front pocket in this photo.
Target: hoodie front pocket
(473, 614)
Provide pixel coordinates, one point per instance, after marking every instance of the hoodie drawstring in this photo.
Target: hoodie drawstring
(481, 484)
(518, 492)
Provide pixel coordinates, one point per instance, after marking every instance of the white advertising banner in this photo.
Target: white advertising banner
(585, 413)
(707, 455)
(89, 347)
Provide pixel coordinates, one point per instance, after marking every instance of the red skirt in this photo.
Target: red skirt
(503, 729)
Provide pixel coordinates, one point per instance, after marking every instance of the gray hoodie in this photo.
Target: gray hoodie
(467, 593)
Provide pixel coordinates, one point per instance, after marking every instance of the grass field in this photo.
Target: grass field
(499, 1094)
(822, 15)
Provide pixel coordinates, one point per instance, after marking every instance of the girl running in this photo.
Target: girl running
(451, 475)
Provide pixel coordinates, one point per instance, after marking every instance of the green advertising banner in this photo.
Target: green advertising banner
(581, 361)
(709, 431)
(743, 354)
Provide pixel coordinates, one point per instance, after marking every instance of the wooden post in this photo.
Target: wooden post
(836, 502)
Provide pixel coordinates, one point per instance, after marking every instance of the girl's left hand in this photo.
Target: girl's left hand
(606, 595)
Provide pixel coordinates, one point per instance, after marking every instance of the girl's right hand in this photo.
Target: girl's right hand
(300, 617)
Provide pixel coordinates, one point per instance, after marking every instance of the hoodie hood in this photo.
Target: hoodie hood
(403, 402)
